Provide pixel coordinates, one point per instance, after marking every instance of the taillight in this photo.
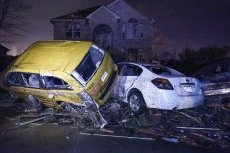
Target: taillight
(162, 84)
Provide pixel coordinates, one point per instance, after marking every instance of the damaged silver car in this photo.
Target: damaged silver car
(215, 79)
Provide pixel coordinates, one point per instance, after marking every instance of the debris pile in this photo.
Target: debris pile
(204, 126)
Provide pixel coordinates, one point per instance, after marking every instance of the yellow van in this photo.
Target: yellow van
(53, 72)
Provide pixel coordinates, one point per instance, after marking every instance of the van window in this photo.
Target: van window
(13, 79)
(89, 65)
(31, 80)
(55, 83)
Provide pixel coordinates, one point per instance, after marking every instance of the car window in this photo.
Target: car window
(31, 80)
(55, 83)
(131, 70)
(88, 65)
(161, 70)
(13, 79)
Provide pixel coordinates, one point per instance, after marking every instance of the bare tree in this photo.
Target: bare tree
(162, 49)
(11, 20)
(4, 6)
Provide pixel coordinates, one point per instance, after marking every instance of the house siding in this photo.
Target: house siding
(114, 16)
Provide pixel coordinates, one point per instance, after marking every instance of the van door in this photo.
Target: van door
(33, 87)
(59, 91)
(27, 86)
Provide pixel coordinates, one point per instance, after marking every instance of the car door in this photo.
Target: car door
(15, 84)
(59, 90)
(127, 76)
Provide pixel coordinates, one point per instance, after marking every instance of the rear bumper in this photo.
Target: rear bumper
(169, 100)
(190, 102)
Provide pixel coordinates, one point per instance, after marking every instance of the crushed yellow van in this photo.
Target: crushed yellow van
(53, 72)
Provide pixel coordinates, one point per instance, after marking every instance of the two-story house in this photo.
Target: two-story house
(4, 58)
(117, 27)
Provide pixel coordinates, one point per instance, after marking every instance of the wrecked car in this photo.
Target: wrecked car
(154, 86)
(215, 79)
(66, 73)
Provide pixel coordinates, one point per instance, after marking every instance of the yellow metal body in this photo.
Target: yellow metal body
(60, 59)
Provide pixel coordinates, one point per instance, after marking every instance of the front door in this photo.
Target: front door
(127, 76)
(103, 36)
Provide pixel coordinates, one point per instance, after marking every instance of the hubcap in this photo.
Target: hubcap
(134, 103)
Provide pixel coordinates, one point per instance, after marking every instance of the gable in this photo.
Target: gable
(104, 11)
(126, 11)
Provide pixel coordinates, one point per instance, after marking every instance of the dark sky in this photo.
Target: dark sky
(185, 23)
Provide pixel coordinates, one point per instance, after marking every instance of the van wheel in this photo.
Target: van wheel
(136, 102)
(33, 103)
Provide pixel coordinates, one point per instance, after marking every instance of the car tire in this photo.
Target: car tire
(136, 102)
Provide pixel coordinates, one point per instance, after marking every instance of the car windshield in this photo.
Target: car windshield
(160, 70)
(89, 65)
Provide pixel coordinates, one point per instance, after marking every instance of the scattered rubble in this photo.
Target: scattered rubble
(203, 127)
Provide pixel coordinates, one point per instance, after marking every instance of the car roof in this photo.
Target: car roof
(141, 64)
(53, 55)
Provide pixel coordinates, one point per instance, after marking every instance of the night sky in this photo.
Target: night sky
(185, 23)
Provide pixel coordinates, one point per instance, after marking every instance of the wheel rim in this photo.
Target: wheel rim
(134, 103)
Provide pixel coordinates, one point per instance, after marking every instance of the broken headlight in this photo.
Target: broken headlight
(162, 84)
(84, 96)
(87, 99)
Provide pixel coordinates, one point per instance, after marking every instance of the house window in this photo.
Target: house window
(72, 31)
(103, 36)
(123, 30)
(141, 31)
(135, 29)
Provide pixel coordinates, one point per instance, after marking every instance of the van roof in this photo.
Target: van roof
(53, 56)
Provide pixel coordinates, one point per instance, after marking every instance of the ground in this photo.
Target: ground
(45, 136)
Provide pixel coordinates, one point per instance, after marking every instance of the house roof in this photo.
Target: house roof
(3, 48)
(80, 14)
(107, 9)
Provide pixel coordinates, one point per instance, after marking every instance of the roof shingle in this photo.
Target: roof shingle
(80, 14)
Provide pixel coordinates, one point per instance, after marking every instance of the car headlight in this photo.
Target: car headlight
(162, 84)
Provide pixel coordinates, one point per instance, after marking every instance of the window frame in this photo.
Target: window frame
(22, 81)
(19, 77)
(45, 82)
(78, 77)
(29, 86)
(125, 67)
(134, 29)
(74, 29)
